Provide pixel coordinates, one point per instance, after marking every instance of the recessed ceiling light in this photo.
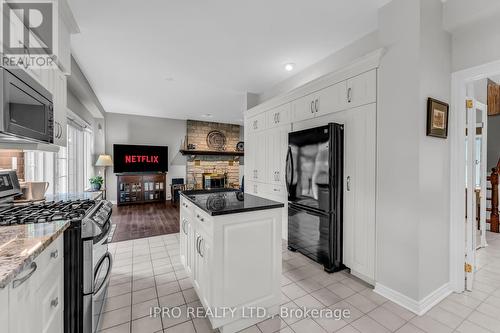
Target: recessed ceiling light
(289, 67)
(207, 115)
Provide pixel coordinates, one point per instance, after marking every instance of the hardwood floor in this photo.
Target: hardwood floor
(144, 220)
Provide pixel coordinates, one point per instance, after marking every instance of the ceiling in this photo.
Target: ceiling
(186, 58)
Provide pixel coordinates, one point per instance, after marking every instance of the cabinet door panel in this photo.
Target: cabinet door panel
(359, 191)
(362, 89)
(23, 299)
(260, 154)
(332, 99)
(249, 167)
(279, 116)
(303, 108)
(257, 123)
(60, 102)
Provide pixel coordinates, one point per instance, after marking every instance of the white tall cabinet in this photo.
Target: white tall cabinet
(349, 97)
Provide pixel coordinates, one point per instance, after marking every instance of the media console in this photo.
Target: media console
(140, 188)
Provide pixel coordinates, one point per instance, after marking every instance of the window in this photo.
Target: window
(68, 170)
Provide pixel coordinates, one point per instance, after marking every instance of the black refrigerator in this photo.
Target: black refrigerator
(314, 181)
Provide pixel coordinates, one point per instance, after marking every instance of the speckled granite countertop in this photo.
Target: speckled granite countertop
(20, 244)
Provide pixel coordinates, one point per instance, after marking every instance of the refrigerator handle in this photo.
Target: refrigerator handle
(289, 161)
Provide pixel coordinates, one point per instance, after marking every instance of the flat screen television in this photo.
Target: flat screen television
(139, 158)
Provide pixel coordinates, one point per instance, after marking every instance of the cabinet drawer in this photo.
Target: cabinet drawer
(50, 259)
(186, 204)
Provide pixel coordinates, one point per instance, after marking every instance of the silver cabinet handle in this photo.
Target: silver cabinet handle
(16, 283)
(55, 302)
(198, 244)
(349, 95)
(312, 106)
(199, 247)
(279, 116)
(54, 254)
(184, 222)
(348, 183)
(316, 105)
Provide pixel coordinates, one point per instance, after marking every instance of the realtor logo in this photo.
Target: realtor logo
(28, 28)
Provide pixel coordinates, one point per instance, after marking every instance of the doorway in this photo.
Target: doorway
(471, 174)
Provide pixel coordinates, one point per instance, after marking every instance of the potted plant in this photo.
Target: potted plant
(96, 183)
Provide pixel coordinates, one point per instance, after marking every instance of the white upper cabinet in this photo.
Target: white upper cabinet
(257, 123)
(304, 108)
(332, 99)
(351, 93)
(279, 116)
(362, 89)
(60, 105)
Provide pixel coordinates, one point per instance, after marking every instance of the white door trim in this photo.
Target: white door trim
(457, 173)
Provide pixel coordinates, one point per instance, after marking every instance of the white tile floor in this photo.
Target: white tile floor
(147, 272)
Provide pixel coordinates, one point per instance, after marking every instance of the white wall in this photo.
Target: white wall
(413, 181)
(398, 148)
(476, 44)
(141, 130)
(77, 107)
(434, 166)
(329, 64)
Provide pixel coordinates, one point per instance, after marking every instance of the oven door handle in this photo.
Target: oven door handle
(100, 289)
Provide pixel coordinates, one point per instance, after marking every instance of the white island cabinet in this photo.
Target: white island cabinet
(33, 300)
(231, 248)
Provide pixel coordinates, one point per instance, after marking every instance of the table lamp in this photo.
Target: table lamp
(104, 161)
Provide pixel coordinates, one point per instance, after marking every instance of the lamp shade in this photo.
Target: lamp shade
(104, 161)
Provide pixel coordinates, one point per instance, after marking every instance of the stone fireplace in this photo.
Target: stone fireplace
(204, 163)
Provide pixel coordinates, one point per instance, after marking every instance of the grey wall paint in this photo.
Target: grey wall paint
(129, 129)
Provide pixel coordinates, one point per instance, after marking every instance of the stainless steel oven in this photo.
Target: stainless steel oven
(97, 264)
(26, 108)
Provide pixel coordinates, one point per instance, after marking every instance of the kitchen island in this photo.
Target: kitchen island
(230, 246)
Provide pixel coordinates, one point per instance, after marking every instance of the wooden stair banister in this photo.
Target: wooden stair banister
(494, 218)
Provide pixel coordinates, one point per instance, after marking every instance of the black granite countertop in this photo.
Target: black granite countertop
(226, 201)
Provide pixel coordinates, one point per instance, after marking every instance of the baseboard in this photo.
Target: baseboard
(417, 307)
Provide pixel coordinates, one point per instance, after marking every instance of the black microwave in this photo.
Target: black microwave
(27, 111)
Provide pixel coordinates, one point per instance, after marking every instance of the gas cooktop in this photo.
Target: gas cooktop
(46, 212)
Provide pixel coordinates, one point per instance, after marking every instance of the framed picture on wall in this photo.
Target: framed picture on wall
(437, 118)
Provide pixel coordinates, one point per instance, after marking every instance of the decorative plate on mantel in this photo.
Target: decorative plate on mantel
(216, 140)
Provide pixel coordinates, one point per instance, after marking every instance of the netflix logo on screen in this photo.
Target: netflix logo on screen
(140, 158)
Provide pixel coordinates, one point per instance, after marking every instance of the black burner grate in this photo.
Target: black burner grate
(45, 212)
